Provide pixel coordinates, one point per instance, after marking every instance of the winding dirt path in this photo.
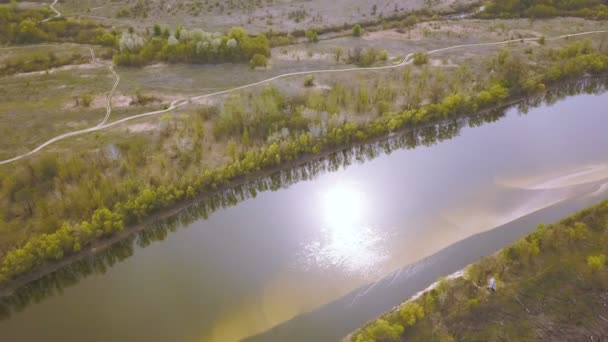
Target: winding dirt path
(182, 102)
(57, 13)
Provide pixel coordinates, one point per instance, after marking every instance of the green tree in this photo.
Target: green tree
(596, 262)
(411, 312)
(258, 60)
(157, 30)
(357, 31)
(421, 58)
(312, 36)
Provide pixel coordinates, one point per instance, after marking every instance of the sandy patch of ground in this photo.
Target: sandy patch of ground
(419, 32)
(53, 70)
(322, 87)
(207, 101)
(301, 55)
(563, 179)
(443, 63)
(142, 127)
(120, 101)
(389, 35)
(155, 66)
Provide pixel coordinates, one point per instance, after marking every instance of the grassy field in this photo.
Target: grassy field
(551, 287)
(255, 16)
(37, 107)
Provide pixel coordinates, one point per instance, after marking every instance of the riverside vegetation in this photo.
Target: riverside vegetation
(54, 205)
(551, 286)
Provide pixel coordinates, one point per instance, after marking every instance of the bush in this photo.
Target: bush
(258, 61)
(596, 262)
(309, 81)
(357, 31)
(421, 58)
(312, 36)
(381, 330)
(411, 20)
(86, 100)
(411, 312)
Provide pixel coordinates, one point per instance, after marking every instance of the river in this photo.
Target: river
(339, 241)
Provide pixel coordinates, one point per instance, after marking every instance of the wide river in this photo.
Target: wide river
(317, 258)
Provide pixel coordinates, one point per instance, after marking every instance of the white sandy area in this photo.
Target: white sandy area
(562, 179)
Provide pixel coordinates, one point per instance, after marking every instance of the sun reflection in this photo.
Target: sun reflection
(345, 242)
(342, 207)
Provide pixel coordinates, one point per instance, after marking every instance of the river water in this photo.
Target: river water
(316, 258)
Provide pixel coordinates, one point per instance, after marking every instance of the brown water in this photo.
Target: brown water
(313, 260)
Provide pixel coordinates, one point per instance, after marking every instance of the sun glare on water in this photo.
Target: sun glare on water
(342, 206)
(345, 242)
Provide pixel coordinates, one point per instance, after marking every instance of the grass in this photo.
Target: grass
(35, 108)
(254, 16)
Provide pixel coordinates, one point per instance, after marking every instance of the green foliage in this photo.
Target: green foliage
(580, 231)
(367, 57)
(357, 31)
(555, 286)
(411, 20)
(309, 81)
(312, 36)
(37, 62)
(194, 46)
(421, 58)
(157, 30)
(596, 262)
(411, 312)
(380, 330)
(522, 251)
(258, 61)
(26, 26)
(593, 9)
(86, 100)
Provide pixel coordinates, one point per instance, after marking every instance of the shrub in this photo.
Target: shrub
(309, 81)
(312, 36)
(86, 100)
(578, 232)
(411, 312)
(596, 262)
(411, 20)
(383, 55)
(421, 58)
(357, 31)
(258, 61)
(381, 330)
(542, 40)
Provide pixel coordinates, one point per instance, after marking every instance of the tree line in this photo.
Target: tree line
(191, 46)
(41, 61)
(26, 26)
(592, 9)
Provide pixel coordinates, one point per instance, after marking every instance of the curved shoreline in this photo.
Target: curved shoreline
(182, 102)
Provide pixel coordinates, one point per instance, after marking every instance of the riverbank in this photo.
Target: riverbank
(245, 187)
(551, 285)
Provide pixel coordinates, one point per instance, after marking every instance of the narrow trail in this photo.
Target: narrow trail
(57, 13)
(182, 102)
